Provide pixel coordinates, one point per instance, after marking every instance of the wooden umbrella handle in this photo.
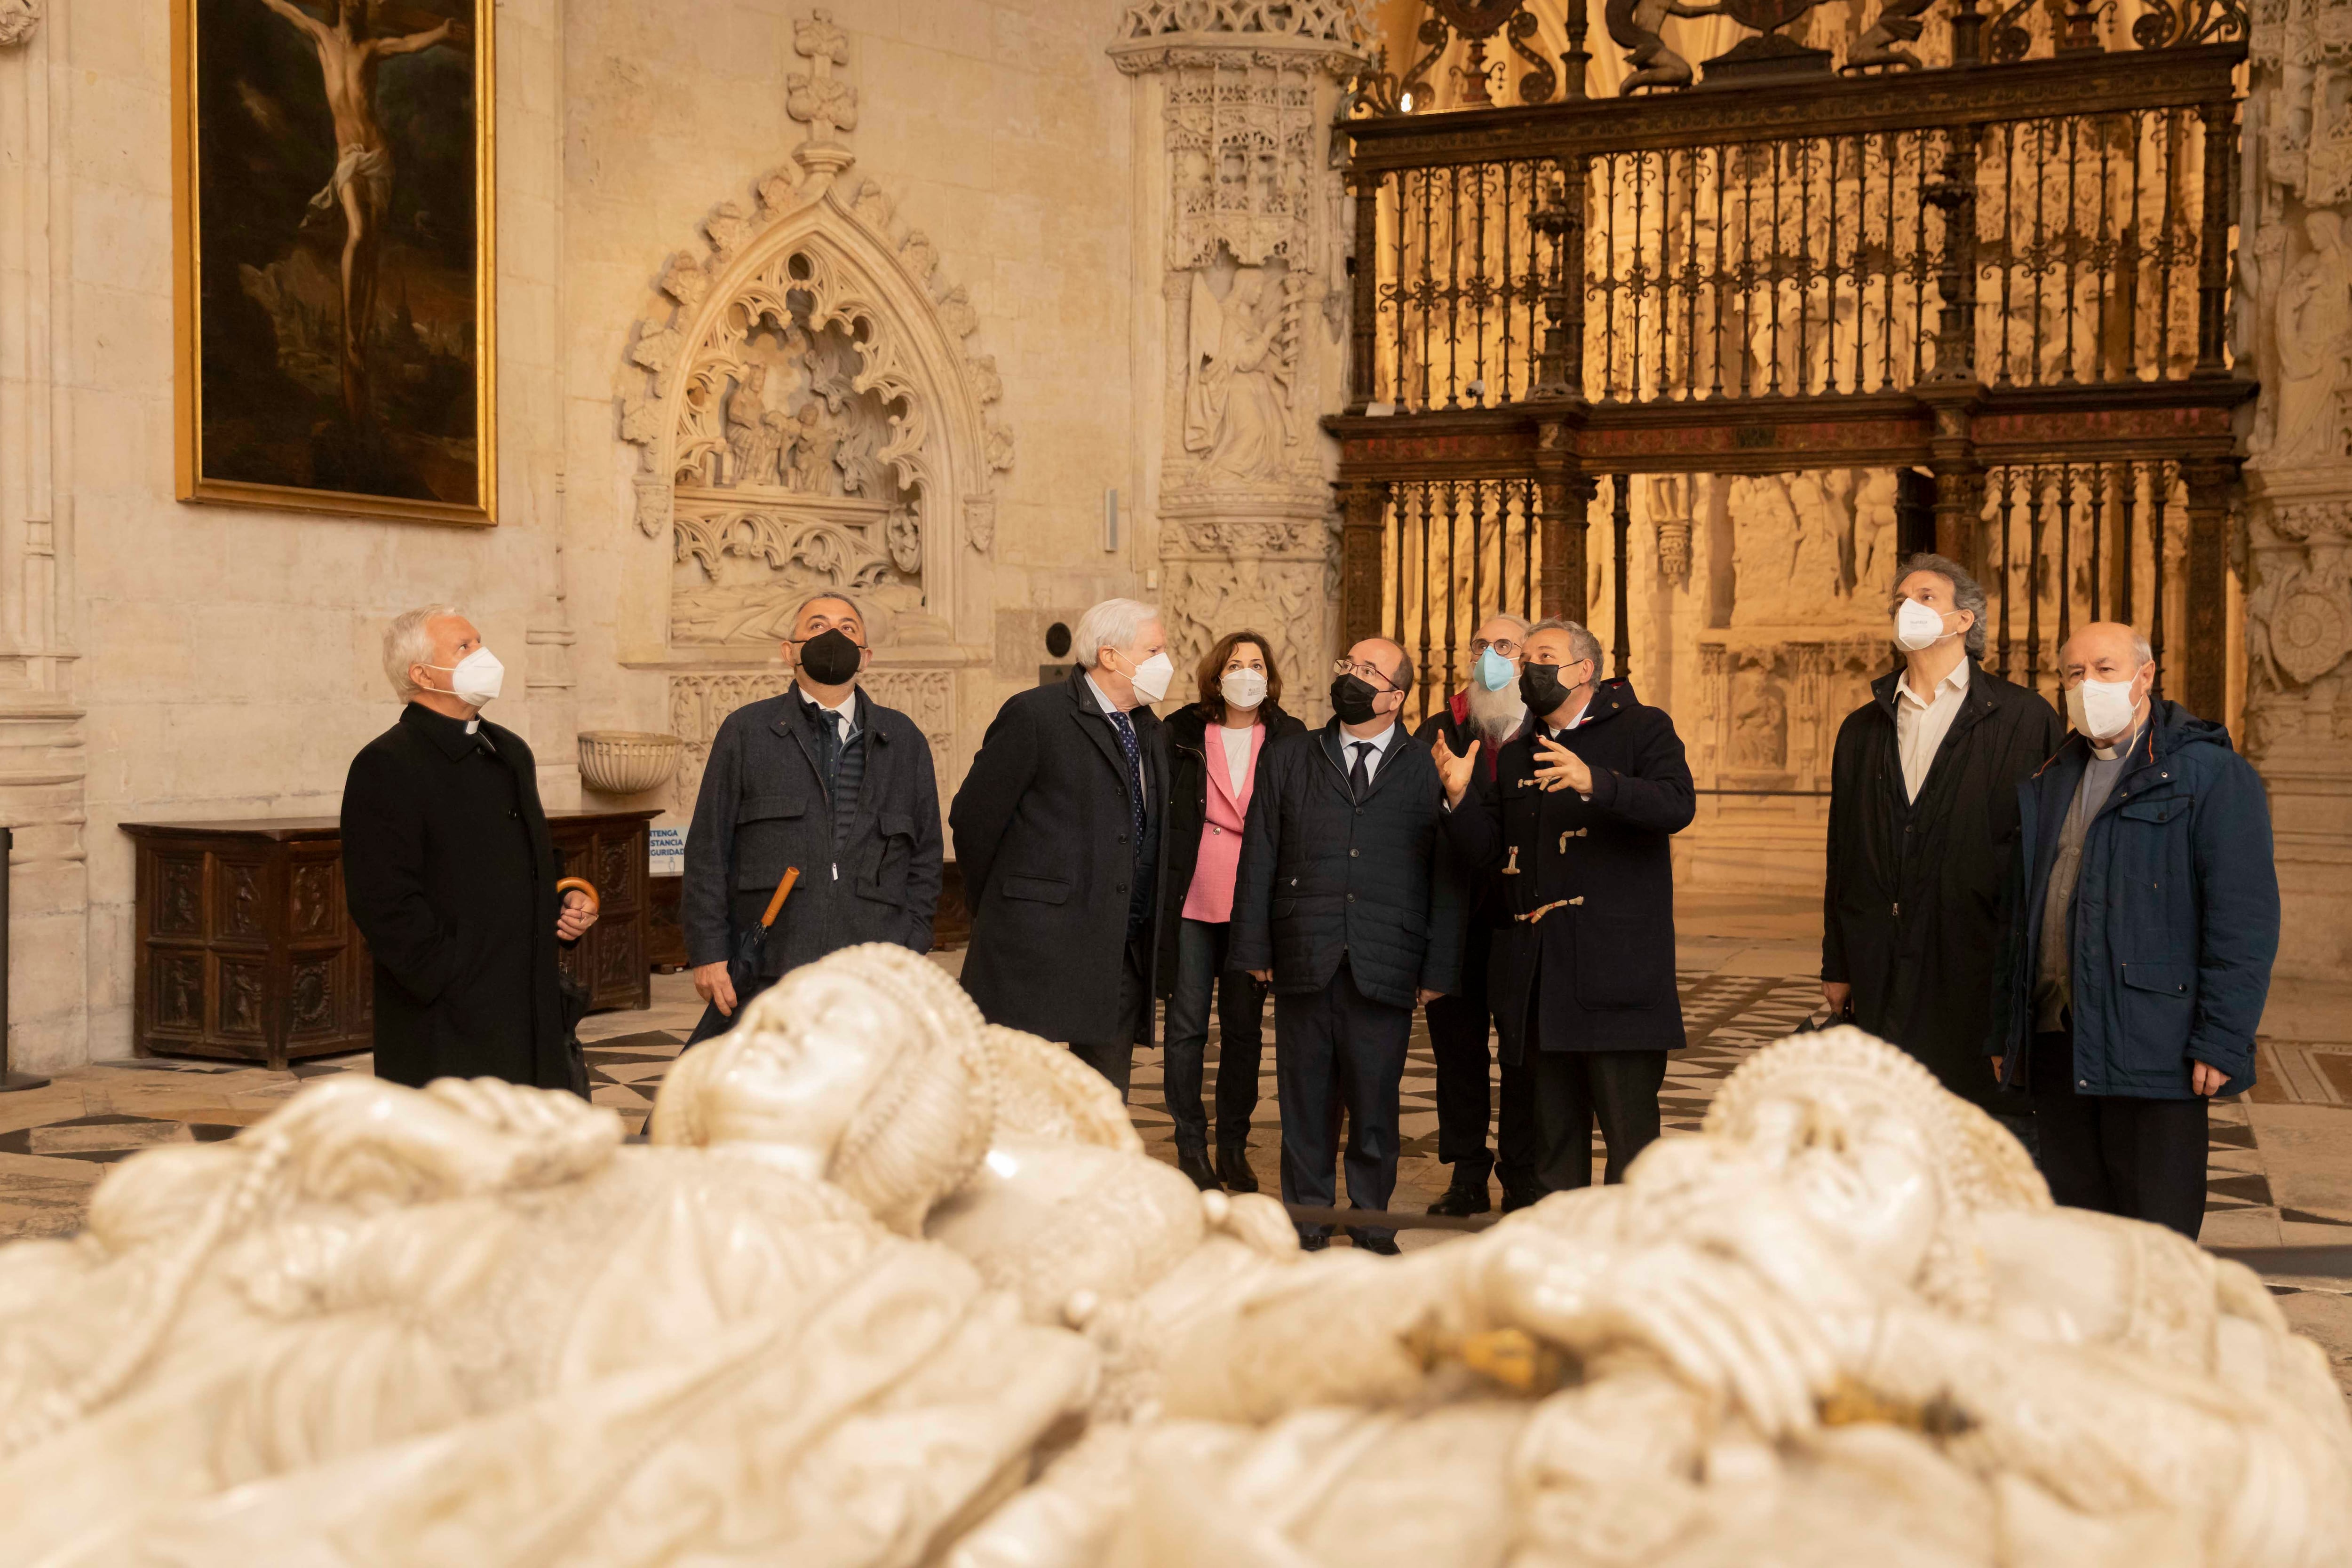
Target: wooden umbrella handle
(580, 885)
(783, 891)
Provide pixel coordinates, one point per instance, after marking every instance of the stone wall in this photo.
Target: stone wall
(163, 660)
(971, 173)
(171, 662)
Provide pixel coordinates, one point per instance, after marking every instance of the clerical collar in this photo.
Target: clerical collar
(455, 736)
(2109, 753)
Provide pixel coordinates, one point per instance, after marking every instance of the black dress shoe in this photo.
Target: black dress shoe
(1517, 1197)
(1234, 1168)
(1384, 1245)
(1313, 1243)
(1195, 1164)
(1462, 1199)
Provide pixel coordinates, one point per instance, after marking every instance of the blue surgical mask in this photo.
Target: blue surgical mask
(1495, 671)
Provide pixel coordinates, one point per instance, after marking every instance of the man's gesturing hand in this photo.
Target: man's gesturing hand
(1561, 769)
(1453, 771)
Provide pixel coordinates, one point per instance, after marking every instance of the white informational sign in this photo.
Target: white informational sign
(668, 850)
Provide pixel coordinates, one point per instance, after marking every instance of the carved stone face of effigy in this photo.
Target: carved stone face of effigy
(1858, 1167)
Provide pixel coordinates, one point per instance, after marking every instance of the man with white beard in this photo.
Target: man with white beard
(1488, 709)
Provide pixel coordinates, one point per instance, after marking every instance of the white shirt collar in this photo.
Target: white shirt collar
(844, 712)
(1108, 707)
(1380, 742)
(1955, 679)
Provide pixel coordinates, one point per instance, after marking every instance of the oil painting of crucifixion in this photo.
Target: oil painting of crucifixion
(335, 280)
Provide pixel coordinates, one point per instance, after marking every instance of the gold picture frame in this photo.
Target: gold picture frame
(274, 404)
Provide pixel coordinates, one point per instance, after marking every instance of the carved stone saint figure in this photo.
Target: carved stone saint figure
(2314, 344)
(1237, 413)
(754, 433)
(1760, 723)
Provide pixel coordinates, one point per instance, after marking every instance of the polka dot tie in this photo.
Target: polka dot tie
(1128, 744)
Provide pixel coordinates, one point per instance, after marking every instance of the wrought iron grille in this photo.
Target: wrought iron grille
(2008, 277)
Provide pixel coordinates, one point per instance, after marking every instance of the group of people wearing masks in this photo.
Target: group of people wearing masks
(2072, 929)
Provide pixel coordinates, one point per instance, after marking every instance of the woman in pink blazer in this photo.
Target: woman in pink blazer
(1213, 751)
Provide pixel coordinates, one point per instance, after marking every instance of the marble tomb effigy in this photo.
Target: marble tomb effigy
(893, 1287)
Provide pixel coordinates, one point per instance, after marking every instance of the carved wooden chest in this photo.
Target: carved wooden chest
(244, 948)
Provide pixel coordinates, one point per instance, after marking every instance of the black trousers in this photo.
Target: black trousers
(1115, 1057)
(1571, 1089)
(1240, 1021)
(2144, 1159)
(1338, 1050)
(1459, 1030)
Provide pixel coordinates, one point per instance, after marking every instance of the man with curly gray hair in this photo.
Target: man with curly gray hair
(1923, 804)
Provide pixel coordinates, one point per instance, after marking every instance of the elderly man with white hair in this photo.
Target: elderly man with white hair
(450, 874)
(2148, 914)
(1057, 831)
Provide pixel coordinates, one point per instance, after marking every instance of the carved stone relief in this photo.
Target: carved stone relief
(2294, 296)
(18, 21)
(1256, 258)
(1770, 708)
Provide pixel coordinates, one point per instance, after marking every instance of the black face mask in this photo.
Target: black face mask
(829, 658)
(1539, 687)
(1352, 697)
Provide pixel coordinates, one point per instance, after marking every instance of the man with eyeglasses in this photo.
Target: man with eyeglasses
(1490, 711)
(826, 780)
(1346, 902)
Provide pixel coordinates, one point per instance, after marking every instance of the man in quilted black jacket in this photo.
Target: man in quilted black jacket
(1347, 902)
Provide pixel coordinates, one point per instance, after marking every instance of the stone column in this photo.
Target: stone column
(42, 762)
(1257, 340)
(2295, 326)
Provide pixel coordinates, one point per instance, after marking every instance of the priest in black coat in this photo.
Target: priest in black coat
(1576, 825)
(451, 876)
(1923, 823)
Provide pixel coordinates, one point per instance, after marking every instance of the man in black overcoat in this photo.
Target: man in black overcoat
(826, 780)
(450, 874)
(1346, 903)
(1576, 823)
(1923, 823)
(1057, 831)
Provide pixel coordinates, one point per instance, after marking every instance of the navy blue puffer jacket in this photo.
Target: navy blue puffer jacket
(2176, 913)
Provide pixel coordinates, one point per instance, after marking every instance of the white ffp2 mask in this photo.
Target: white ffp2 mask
(1151, 677)
(2101, 710)
(477, 678)
(1918, 626)
(1242, 688)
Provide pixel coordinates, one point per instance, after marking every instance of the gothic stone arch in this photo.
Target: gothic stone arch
(812, 417)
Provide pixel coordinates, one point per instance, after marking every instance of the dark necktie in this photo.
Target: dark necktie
(1128, 744)
(1359, 777)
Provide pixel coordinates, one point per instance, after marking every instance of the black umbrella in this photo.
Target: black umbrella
(743, 965)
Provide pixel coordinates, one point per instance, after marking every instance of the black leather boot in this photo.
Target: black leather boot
(1234, 1167)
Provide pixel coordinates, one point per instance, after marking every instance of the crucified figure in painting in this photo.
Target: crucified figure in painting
(349, 53)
